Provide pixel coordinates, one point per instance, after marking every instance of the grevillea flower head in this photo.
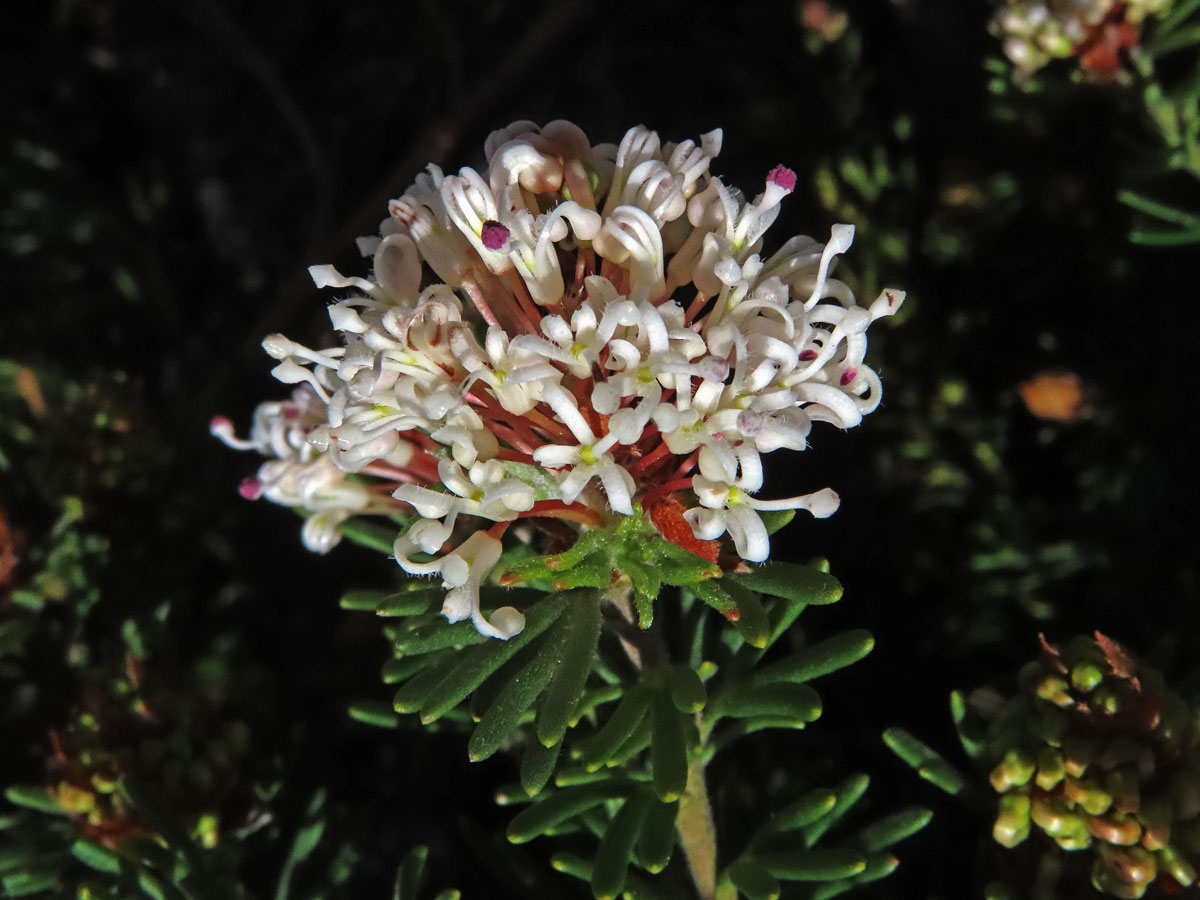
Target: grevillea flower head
(576, 333)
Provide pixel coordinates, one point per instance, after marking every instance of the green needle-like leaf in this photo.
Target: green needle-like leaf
(879, 865)
(776, 519)
(687, 690)
(374, 712)
(23, 884)
(97, 856)
(805, 584)
(410, 874)
(752, 622)
(472, 668)
(514, 700)
(410, 603)
(657, 839)
(537, 765)
(612, 859)
(797, 702)
(928, 762)
(820, 659)
(668, 748)
(562, 805)
(362, 601)
(712, 593)
(753, 880)
(803, 811)
(582, 623)
(373, 536)
(438, 635)
(37, 797)
(894, 828)
(813, 865)
(848, 793)
(400, 670)
(598, 749)
(635, 744)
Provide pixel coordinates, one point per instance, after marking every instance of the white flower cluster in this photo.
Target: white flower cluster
(624, 341)
(1037, 31)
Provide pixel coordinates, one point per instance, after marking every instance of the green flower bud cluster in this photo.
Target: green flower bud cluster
(168, 740)
(1096, 753)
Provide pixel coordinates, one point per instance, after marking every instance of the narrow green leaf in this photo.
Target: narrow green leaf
(668, 748)
(374, 712)
(1158, 210)
(657, 839)
(157, 889)
(612, 858)
(562, 805)
(1164, 238)
(545, 486)
(971, 743)
(397, 670)
(928, 762)
(410, 874)
(308, 837)
(573, 865)
(472, 668)
(22, 884)
(416, 692)
(752, 622)
(410, 603)
(448, 894)
(803, 811)
(623, 721)
(820, 659)
(438, 635)
(537, 765)
(894, 828)
(795, 702)
(362, 601)
(582, 623)
(1179, 11)
(813, 865)
(373, 536)
(511, 703)
(806, 584)
(879, 865)
(712, 593)
(848, 793)
(96, 856)
(687, 690)
(753, 880)
(776, 519)
(31, 796)
(633, 746)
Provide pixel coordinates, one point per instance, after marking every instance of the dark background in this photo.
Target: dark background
(170, 169)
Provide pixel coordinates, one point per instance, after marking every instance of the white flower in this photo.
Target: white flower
(576, 330)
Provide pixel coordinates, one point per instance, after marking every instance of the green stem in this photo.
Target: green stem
(697, 833)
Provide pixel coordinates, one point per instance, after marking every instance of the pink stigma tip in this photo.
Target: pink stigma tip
(849, 375)
(783, 177)
(220, 423)
(250, 488)
(808, 355)
(494, 235)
